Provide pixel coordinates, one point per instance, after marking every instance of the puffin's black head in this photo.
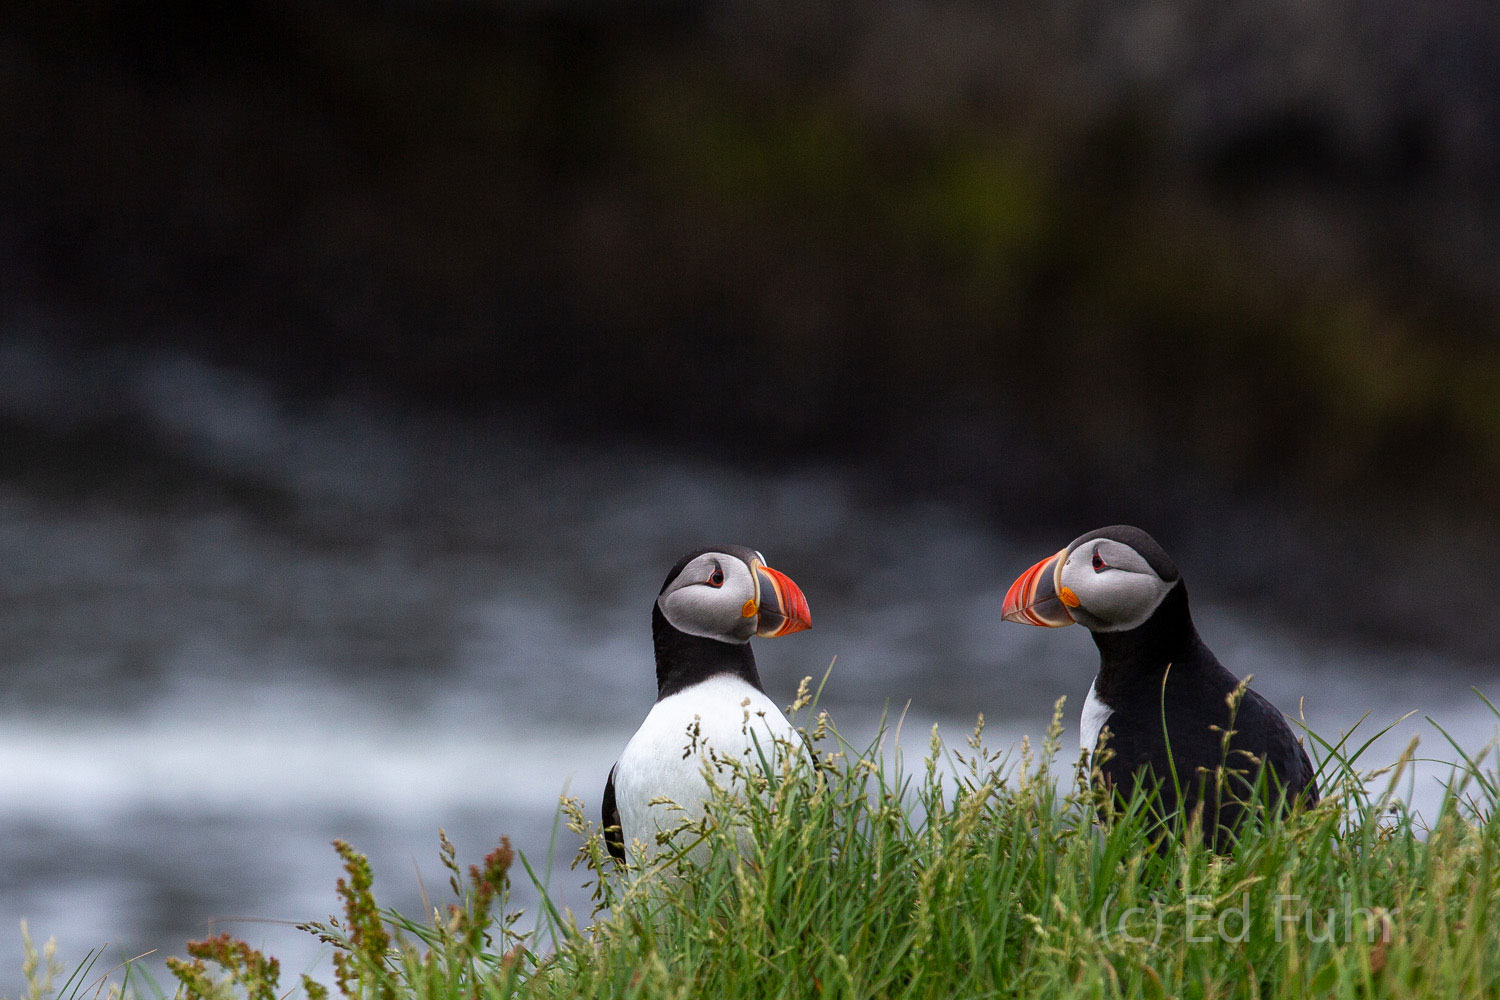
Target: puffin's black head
(1108, 580)
(728, 593)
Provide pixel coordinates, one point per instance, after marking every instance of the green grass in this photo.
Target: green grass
(974, 874)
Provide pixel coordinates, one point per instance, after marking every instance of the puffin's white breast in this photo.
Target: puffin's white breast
(1095, 715)
(665, 757)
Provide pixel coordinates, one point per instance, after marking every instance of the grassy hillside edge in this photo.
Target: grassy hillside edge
(976, 874)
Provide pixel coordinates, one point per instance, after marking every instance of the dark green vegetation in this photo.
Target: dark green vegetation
(973, 876)
(1078, 265)
(889, 215)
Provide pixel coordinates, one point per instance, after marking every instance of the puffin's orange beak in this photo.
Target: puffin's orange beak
(1034, 600)
(781, 605)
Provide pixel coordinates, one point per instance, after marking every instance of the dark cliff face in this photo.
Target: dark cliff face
(1134, 263)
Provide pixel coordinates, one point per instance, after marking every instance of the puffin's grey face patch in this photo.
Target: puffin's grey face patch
(1116, 587)
(708, 598)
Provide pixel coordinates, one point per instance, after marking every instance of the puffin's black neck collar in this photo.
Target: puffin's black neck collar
(1168, 636)
(683, 660)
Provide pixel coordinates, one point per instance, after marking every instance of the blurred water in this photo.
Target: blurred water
(238, 626)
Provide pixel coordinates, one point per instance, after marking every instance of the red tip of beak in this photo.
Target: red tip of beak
(784, 610)
(1033, 600)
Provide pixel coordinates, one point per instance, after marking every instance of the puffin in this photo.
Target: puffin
(1160, 692)
(709, 696)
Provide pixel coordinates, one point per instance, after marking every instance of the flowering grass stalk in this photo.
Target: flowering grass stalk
(977, 874)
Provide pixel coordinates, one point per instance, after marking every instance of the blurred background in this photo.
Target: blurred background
(364, 367)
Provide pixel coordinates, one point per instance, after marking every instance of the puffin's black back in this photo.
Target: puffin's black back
(1161, 672)
(614, 836)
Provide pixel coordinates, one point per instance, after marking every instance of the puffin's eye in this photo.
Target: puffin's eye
(1098, 562)
(717, 579)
